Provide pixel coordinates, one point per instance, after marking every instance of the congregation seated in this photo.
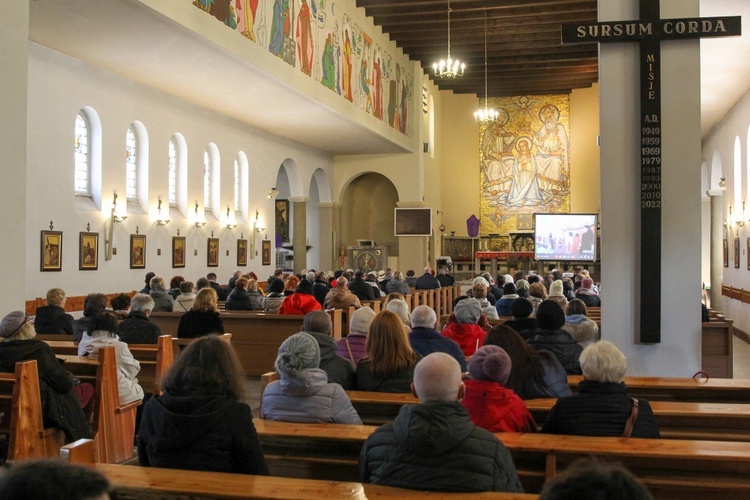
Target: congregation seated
(434, 445)
(203, 318)
(303, 392)
(396, 284)
(174, 286)
(490, 403)
(482, 321)
(389, 365)
(202, 420)
(372, 279)
(585, 331)
(120, 304)
(163, 302)
(339, 369)
(220, 290)
(340, 297)
(52, 479)
(522, 322)
(466, 332)
(184, 301)
(352, 347)
(92, 304)
(401, 309)
(136, 328)
(427, 281)
(321, 287)
(52, 318)
(590, 478)
(537, 294)
(274, 296)
(411, 278)
(551, 337)
(147, 289)
(425, 339)
(302, 301)
(66, 402)
(522, 288)
(243, 297)
(588, 294)
(359, 287)
(290, 284)
(445, 279)
(479, 292)
(534, 374)
(602, 406)
(556, 294)
(502, 306)
(103, 335)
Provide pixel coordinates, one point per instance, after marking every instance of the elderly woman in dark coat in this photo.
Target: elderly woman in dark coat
(602, 406)
(551, 337)
(52, 318)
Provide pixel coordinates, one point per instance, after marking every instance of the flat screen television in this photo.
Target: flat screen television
(413, 221)
(570, 237)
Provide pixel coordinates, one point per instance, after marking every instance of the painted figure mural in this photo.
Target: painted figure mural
(524, 161)
(327, 46)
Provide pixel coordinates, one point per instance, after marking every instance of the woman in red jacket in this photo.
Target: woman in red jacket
(302, 301)
(491, 405)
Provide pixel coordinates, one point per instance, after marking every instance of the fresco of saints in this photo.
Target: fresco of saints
(304, 39)
(245, 10)
(497, 154)
(524, 189)
(280, 26)
(346, 68)
(364, 84)
(329, 68)
(377, 89)
(552, 143)
(404, 107)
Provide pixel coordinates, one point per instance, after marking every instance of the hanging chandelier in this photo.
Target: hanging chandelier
(485, 115)
(449, 68)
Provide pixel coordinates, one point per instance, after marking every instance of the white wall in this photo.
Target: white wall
(58, 88)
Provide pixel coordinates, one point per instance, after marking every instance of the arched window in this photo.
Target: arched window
(172, 173)
(206, 180)
(81, 157)
(236, 186)
(241, 185)
(738, 215)
(131, 172)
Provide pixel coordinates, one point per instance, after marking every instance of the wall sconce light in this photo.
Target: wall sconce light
(258, 224)
(257, 229)
(116, 215)
(198, 221)
(741, 220)
(723, 183)
(160, 220)
(231, 224)
(273, 192)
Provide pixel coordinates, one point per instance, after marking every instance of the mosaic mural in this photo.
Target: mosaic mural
(524, 162)
(323, 42)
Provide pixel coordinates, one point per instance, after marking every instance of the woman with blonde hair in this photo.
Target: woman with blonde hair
(537, 294)
(203, 318)
(389, 365)
(584, 330)
(202, 420)
(52, 318)
(397, 284)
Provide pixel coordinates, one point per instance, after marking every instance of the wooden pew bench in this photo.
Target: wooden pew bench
(714, 390)
(114, 424)
(22, 422)
(152, 482)
(670, 468)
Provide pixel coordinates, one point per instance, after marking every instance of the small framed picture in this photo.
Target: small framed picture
(726, 253)
(178, 251)
(88, 251)
(137, 251)
(266, 251)
(282, 221)
(51, 251)
(737, 252)
(241, 253)
(213, 252)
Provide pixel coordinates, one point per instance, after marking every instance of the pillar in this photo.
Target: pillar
(717, 246)
(14, 26)
(678, 354)
(299, 236)
(330, 235)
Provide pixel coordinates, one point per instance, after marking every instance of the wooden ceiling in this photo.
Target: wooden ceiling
(524, 52)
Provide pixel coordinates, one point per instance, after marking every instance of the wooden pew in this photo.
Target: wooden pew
(152, 482)
(155, 359)
(670, 468)
(180, 344)
(114, 424)
(20, 401)
(714, 390)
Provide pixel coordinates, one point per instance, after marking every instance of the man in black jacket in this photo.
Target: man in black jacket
(339, 370)
(359, 287)
(136, 328)
(434, 445)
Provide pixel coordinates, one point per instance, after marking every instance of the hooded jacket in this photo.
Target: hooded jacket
(53, 319)
(183, 302)
(585, 331)
(425, 341)
(341, 298)
(199, 431)
(562, 345)
(435, 446)
(243, 300)
(60, 406)
(467, 336)
(127, 366)
(502, 306)
(496, 408)
(339, 370)
(308, 397)
(299, 303)
(162, 301)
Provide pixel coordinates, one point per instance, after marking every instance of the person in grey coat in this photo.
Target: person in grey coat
(303, 393)
(339, 369)
(162, 300)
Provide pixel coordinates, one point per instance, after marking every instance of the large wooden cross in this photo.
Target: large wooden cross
(649, 31)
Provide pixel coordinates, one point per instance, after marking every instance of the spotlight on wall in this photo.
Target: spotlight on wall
(160, 219)
(722, 183)
(273, 192)
(231, 224)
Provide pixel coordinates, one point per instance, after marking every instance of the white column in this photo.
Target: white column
(619, 75)
(299, 236)
(717, 246)
(14, 26)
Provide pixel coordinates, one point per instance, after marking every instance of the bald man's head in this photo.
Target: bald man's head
(437, 377)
